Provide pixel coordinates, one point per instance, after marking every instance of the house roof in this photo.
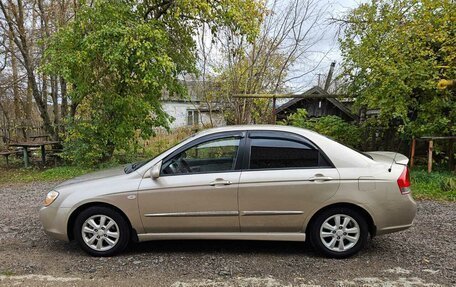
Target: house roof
(316, 93)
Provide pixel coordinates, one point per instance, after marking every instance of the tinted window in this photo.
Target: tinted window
(281, 153)
(211, 156)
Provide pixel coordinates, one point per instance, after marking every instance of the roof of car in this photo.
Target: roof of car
(340, 155)
(255, 127)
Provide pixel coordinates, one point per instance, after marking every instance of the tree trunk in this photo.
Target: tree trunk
(17, 110)
(451, 164)
(55, 103)
(64, 107)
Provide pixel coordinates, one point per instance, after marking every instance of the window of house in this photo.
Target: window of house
(270, 153)
(193, 117)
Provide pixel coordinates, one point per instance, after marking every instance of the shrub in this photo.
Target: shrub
(331, 126)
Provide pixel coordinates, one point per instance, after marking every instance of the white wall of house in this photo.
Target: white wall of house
(179, 111)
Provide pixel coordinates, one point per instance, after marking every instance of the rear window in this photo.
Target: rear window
(269, 153)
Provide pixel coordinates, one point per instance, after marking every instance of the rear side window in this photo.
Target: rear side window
(273, 153)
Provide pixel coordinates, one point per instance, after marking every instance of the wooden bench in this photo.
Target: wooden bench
(7, 153)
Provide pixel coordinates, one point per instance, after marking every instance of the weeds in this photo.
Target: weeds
(438, 185)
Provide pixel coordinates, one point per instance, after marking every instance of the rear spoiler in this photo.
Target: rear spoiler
(388, 156)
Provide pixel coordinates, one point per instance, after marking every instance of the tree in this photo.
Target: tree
(394, 54)
(280, 55)
(27, 24)
(120, 56)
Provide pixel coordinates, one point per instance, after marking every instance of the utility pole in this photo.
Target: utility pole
(319, 79)
(329, 77)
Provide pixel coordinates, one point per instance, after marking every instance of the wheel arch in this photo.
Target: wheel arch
(79, 209)
(369, 219)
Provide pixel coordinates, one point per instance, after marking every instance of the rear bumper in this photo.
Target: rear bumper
(54, 221)
(392, 229)
(398, 215)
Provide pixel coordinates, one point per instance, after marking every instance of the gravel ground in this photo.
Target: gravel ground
(424, 255)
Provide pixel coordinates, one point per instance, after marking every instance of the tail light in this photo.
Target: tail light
(404, 181)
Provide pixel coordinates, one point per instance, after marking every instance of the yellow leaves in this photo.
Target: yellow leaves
(443, 84)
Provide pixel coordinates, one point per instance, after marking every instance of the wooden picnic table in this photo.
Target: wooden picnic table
(26, 145)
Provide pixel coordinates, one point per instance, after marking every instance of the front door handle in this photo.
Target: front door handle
(220, 181)
(319, 178)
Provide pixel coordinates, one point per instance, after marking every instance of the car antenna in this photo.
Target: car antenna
(395, 154)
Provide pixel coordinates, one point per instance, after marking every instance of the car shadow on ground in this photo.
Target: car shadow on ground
(221, 246)
(229, 247)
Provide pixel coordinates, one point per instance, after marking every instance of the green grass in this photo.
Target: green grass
(23, 175)
(7, 273)
(438, 185)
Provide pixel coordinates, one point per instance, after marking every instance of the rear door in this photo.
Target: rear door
(284, 177)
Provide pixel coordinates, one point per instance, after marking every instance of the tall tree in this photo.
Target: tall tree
(119, 56)
(394, 54)
(14, 17)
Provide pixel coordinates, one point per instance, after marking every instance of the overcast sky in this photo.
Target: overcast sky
(329, 43)
(320, 55)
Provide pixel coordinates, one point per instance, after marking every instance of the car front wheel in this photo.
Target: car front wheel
(101, 231)
(339, 232)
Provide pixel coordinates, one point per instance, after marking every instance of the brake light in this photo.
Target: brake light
(404, 181)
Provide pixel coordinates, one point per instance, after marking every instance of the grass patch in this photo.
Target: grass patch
(19, 175)
(7, 273)
(438, 185)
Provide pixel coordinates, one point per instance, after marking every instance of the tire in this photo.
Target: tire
(101, 231)
(327, 235)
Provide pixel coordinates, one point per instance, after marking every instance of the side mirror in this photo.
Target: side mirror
(155, 170)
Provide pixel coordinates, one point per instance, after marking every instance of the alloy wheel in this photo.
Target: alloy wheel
(339, 232)
(100, 232)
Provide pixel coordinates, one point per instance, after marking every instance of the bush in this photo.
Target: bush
(330, 126)
(164, 140)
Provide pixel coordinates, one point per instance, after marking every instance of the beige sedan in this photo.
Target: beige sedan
(241, 183)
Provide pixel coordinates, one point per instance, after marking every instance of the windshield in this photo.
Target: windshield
(134, 166)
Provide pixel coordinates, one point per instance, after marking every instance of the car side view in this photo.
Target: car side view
(240, 183)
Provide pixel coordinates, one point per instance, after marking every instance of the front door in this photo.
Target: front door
(286, 177)
(197, 190)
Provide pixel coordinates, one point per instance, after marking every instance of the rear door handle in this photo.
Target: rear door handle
(220, 181)
(320, 178)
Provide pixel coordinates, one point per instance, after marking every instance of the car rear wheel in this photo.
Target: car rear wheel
(101, 231)
(339, 232)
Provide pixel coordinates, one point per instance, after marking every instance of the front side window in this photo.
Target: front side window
(269, 153)
(212, 156)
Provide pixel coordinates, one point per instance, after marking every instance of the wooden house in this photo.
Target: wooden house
(318, 103)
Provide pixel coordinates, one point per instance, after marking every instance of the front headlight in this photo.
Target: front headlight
(50, 197)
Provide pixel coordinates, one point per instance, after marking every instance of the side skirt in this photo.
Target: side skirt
(268, 236)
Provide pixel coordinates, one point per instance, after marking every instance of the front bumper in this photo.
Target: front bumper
(55, 221)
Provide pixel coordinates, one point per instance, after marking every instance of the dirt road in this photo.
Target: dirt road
(424, 255)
